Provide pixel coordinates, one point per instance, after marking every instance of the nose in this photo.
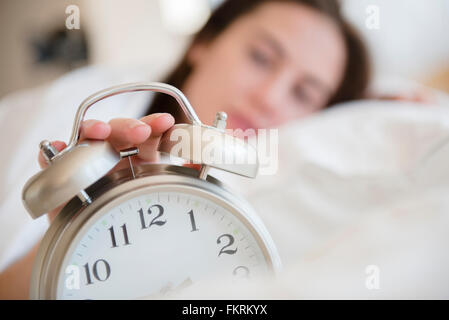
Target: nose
(268, 95)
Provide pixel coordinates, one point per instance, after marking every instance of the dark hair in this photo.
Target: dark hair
(357, 70)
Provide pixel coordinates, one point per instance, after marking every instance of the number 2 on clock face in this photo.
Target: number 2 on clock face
(156, 241)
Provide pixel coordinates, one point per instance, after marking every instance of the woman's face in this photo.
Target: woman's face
(279, 62)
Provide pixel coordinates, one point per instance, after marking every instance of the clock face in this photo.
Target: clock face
(156, 243)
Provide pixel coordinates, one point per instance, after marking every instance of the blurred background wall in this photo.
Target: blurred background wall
(408, 38)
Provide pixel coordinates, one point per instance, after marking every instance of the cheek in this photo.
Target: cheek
(232, 71)
(223, 77)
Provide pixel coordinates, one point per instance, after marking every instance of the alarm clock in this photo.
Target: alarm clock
(147, 230)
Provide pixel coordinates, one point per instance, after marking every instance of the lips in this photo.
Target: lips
(236, 121)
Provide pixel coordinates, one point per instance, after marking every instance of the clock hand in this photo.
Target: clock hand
(187, 282)
(168, 290)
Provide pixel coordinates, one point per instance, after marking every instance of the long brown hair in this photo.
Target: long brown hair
(357, 71)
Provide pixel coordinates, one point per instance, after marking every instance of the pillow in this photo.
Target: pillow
(369, 137)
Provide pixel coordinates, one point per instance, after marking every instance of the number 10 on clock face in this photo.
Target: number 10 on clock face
(155, 242)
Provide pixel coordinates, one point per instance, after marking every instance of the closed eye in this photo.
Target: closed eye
(260, 57)
(301, 94)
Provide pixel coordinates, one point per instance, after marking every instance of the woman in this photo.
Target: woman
(263, 62)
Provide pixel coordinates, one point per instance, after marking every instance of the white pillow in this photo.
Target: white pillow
(369, 137)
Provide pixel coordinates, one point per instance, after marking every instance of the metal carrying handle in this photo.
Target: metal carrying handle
(129, 87)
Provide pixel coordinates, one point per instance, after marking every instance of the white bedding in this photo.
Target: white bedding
(354, 188)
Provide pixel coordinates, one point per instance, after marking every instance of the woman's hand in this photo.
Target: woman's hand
(121, 134)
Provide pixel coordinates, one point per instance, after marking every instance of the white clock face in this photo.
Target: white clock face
(156, 243)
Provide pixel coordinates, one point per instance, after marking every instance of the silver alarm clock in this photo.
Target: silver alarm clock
(145, 230)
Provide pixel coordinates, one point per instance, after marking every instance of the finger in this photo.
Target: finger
(159, 123)
(94, 129)
(126, 133)
(59, 145)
